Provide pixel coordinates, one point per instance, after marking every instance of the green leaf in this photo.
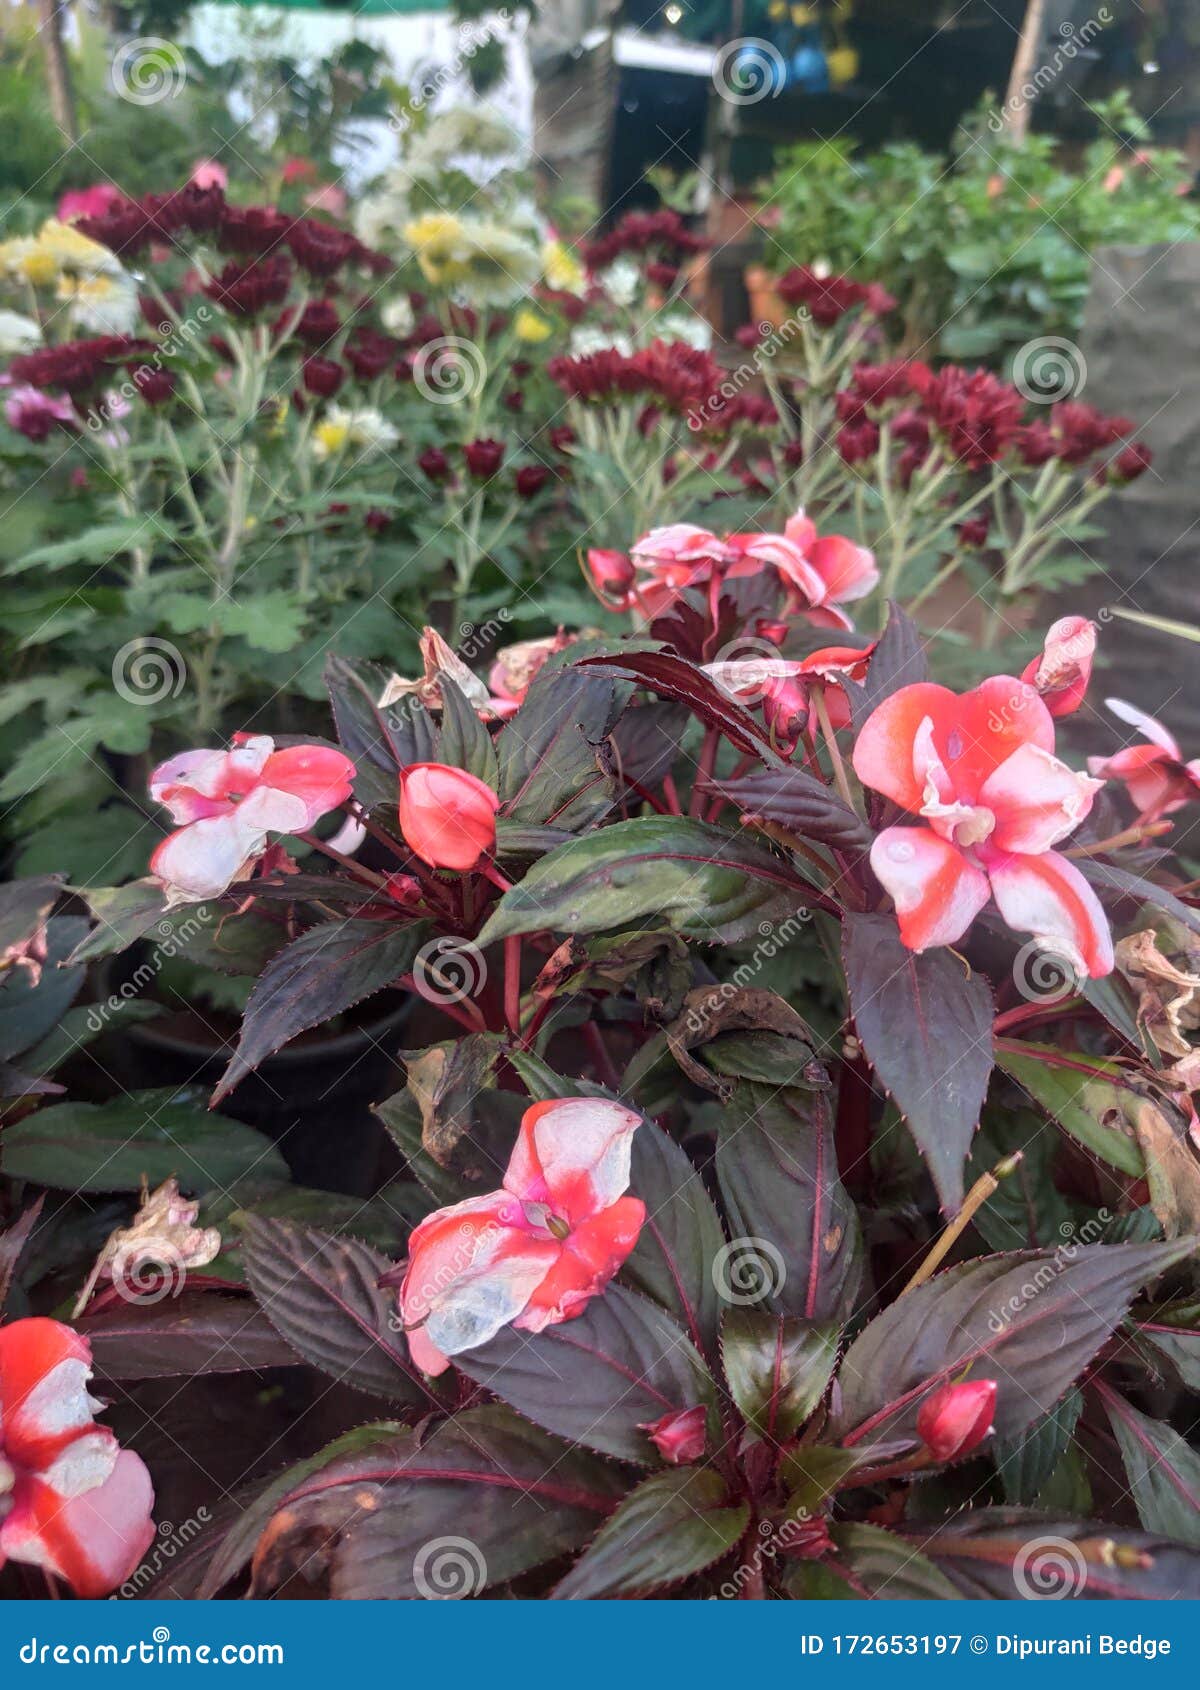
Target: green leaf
(888, 1567)
(1073, 1090)
(553, 760)
(122, 914)
(29, 1011)
(673, 1525)
(322, 1294)
(796, 1246)
(1032, 1321)
(99, 544)
(698, 880)
(401, 1116)
(925, 1022)
(777, 1367)
(1163, 1470)
(145, 1134)
(628, 1365)
(326, 970)
(463, 741)
(272, 621)
(1025, 1463)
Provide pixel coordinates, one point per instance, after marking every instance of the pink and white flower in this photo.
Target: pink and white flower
(1154, 772)
(71, 1500)
(228, 802)
(821, 573)
(535, 1252)
(980, 771)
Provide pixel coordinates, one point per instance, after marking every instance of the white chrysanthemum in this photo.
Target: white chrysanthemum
(17, 333)
(364, 430)
(397, 316)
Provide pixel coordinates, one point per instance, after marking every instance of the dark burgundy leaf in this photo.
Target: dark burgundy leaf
(598, 1379)
(796, 1235)
(801, 803)
(202, 1332)
(682, 1238)
(898, 661)
(1017, 1555)
(1031, 1320)
(676, 677)
(322, 1294)
(673, 1525)
(326, 970)
(926, 1026)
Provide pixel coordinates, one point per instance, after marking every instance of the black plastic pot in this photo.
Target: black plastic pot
(312, 1098)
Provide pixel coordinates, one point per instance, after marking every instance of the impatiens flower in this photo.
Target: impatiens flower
(1061, 674)
(71, 1500)
(447, 816)
(820, 572)
(679, 1437)
(1155, 774)
(981, 770)
(957, 1418)
(229, 801)
(534, 1253)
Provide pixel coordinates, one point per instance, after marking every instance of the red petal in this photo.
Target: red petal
(1047, 896)
(937, 892)
(94, 1541)
(590, 1257)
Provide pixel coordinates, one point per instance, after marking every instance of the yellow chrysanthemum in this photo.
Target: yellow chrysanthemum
(530, 328)
(562, 270)
(70, 250)
(25, 257)
(331, 437)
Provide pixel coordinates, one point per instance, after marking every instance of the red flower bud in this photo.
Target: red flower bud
(955, 1419)
(155, 386)
(531, 478)
(447, 816)
(322, 376)
(434, 462)
(484, 457)
(679, 1436)
(612, 577)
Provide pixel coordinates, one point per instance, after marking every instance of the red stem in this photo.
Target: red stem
(512, 984)
(708, 757)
